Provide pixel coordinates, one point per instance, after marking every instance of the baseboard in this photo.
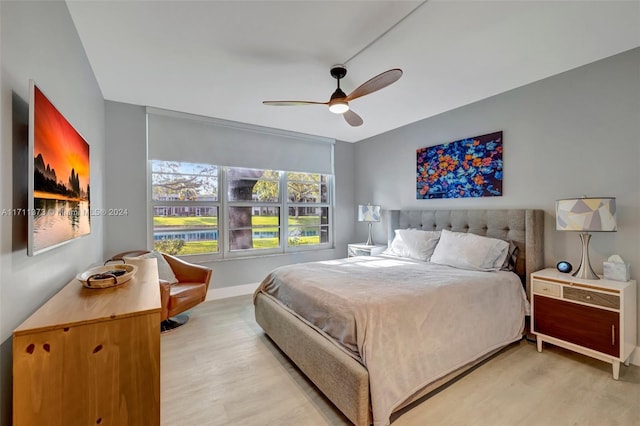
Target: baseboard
(233, 291)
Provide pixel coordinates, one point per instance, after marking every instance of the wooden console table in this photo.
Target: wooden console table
(91, 356)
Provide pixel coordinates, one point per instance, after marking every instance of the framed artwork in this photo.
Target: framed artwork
(58, 177)
(469, 167)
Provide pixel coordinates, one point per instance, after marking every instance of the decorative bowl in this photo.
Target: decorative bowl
(107, 276)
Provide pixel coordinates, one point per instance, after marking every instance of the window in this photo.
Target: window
(308, 209)
(185, 207)
(255, 209)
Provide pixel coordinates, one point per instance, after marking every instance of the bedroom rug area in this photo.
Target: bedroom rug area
(221, 369)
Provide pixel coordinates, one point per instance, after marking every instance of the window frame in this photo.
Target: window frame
(223, 204)
(196, 257)
(233, 254)
(328, 204)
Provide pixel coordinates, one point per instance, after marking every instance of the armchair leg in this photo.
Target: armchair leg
(173, 323)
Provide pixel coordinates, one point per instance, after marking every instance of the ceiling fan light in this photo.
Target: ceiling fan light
(339, 107)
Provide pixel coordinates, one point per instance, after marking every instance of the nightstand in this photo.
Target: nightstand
(596, 318)
(364, 250)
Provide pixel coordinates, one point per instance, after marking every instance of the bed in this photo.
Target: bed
(355, 366)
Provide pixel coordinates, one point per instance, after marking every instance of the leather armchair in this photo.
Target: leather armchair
(176, 298)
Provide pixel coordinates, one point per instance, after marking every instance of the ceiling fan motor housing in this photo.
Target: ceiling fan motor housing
(338, 71)
(338, 94)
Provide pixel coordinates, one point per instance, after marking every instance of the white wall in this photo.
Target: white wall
(39, 41)
(569, 135)
(126, 188)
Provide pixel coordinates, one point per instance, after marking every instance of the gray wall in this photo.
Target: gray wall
(39, 41)
(126, 188)
(126, 182)
(569, 135)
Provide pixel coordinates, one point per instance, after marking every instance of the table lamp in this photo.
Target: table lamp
(368, 214)
(586, 215)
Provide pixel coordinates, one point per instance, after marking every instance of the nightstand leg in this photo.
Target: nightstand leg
(539, 343)
(616, 370)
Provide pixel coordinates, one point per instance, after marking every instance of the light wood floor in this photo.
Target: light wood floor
(220, 369)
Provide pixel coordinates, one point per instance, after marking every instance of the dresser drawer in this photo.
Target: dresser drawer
(543, 287)
(592, 297)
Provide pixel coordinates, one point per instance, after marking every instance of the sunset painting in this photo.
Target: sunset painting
(60, 199)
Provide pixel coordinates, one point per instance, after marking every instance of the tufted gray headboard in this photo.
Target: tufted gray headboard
(522, 226)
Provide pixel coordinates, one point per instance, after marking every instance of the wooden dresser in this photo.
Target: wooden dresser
(593, 317)
(91, 356)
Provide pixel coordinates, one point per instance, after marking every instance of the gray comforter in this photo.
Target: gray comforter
(408, 322)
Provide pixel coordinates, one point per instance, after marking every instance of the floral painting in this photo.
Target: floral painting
(466, 168)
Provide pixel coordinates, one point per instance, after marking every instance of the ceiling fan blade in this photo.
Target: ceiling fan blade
(352, 118)
(378, 82)
(293, 103)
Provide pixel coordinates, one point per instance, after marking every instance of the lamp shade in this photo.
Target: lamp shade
(368, 213)
(586, 214)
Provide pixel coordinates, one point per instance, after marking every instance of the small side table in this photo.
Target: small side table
(596, 318)
(364, 250)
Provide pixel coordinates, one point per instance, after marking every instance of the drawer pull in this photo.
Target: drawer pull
(546, 289)
(588, 297)
(613, 335)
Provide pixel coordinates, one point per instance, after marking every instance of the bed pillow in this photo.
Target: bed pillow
(470, 251)
(165, 272)
(413, 243)
(512, 257)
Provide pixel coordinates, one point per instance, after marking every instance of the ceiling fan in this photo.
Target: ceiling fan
(339, 101)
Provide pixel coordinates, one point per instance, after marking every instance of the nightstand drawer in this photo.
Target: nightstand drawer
(358, 251)
(592, 297)
(586, 326)
(364, 250)
(543, 287)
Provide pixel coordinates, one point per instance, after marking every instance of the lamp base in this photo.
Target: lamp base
(369, 240)
(585, 271)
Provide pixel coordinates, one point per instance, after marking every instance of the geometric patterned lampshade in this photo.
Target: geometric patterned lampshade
(586, 214)
(368, 213)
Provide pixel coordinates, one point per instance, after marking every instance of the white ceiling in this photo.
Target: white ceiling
(223, 58)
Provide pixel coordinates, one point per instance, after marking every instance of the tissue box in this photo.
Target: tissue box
(616, 271)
